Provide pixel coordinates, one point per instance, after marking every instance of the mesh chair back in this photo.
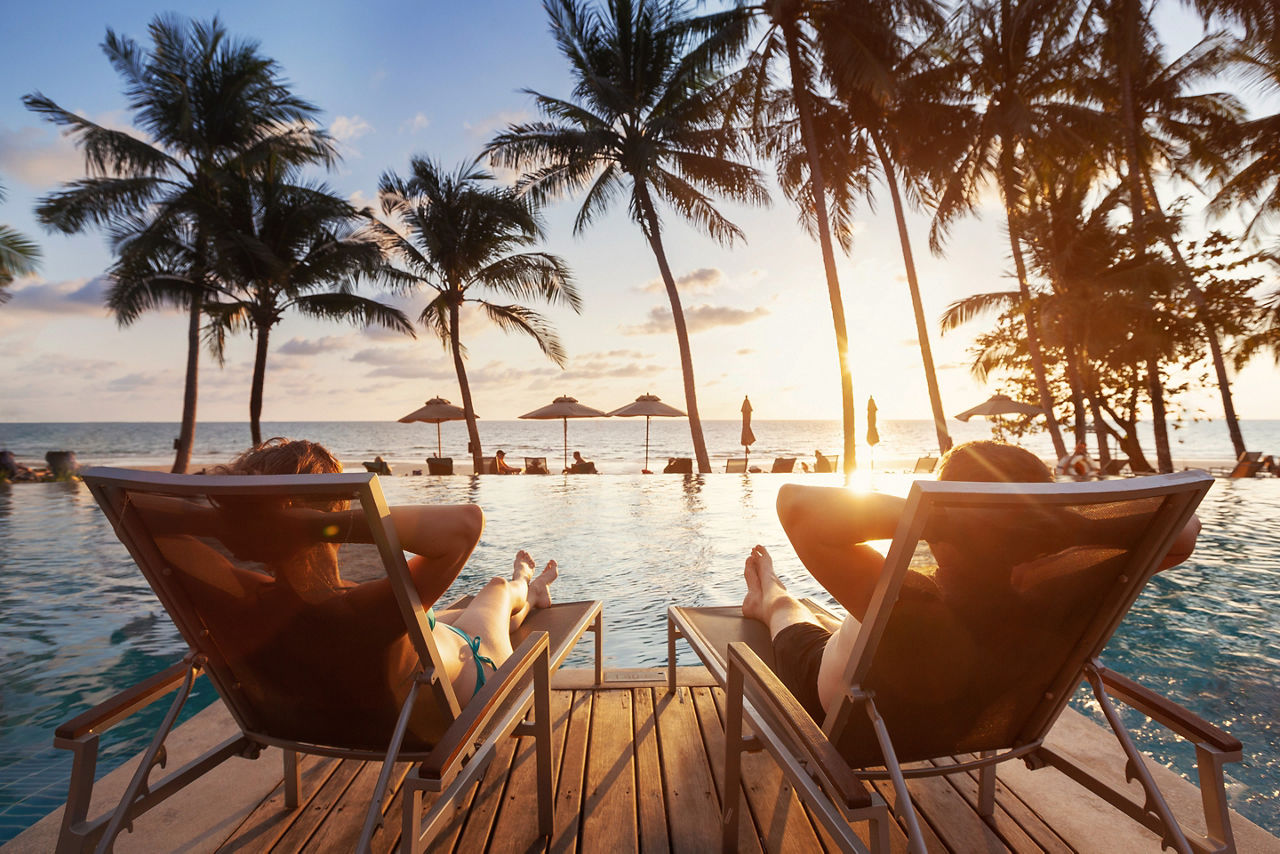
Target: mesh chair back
(258, 575)
(1004, 593)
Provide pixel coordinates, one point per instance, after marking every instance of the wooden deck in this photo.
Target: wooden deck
(636, 770)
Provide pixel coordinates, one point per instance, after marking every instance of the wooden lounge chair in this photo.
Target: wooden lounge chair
(378, 467)
(925, 465)
(535, 465)
(735, 465)
(1248, 464)
(981, 679)
(439, 465)
(783, 465)
(297, 674)
(823, 464)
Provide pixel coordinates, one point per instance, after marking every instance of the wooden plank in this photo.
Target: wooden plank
(960, 828)
(692, 806)
(341, 829)
(1020, 827)
(609, 807)
(713, 741)
(310, 816)
(516, 829)
(270, 820)
(650, 806)
(932, 842)
(485, 801)
(584, 678)
(573, 763)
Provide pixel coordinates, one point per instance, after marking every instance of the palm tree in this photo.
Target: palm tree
(18, 256)
(896, 90)
(284, 247)
(209, 107)
(648, 110)
(459, 234)
(1023, 61)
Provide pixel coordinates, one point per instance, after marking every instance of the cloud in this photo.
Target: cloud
(745, 351)
(345, 129)
(73, 296)
(38, 157)
(314, 347)
(909, 342)
(702, 280)
(699, 318)
(415, 124)
(496, 121)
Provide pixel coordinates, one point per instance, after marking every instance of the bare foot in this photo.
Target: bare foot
(539, 595)
(753, 603)
(522, 567)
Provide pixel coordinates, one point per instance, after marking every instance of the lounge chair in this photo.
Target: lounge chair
(678, 465)
(439, 465)
(535, 465)
(294, 675)
(987, 676)
(735, 465)
(1113, 468)
(823, 464)
(378, 467)
(783, 465)
(1248, 464)
(925, 465)
(488, 465)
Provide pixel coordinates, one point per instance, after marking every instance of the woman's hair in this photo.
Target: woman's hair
(993, 462)
(283, 456)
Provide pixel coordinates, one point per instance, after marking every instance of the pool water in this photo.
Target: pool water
(79, 623)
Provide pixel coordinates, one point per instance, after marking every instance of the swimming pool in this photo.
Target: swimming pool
(79, 622)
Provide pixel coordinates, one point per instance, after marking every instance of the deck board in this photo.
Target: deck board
(636, 768)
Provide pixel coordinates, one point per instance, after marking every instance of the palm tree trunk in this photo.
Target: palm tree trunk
(1159, 419)
(653, 232)
(1028, 309)
(263, 335)
(187, 432)
(913, 284)
(460, 367)
(1210, 333)
(1077, 391)
(808, 138)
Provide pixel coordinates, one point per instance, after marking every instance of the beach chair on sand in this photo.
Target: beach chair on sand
(982, 677)
(783, 465)
(439, 465)
(678, 465)
(823, 464)
(925, 465)
(535, 465)
(1248, 464)
(735, 465)
(293, 674)
(378, 467)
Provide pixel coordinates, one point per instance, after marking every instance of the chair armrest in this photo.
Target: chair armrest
(1183, 721)
(770, 695)
(110, 712)
(482, 708)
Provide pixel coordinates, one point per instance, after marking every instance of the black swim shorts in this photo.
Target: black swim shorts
(797, 651)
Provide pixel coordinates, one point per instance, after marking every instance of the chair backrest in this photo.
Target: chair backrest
(249, 570)
(826, 465)
(679, 465)
(535, 465)
(1114, 466)
(439, 465)
(783, 465)
(735, 464)
(378, 467)
(1248, 464)
(983, 651)
(925, 465)
(488, 465)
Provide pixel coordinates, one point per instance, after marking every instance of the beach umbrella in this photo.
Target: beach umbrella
(873, 434)
(436, 411)
(1000, 404)
(648, 405)
(748, 438)
(564, 408)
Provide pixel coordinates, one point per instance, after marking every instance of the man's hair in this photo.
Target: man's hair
(993, 462)
(283, 456)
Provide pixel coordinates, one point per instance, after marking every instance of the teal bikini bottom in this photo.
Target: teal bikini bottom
(473, 643)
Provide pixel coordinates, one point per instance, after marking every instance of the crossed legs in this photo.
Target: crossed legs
(767, 599)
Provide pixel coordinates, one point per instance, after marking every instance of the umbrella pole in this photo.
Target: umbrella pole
(646, 442)
(439, 447)
(566, 441)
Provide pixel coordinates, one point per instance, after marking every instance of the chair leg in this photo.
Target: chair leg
(731, 803)
(411, 821)
(373, 818)
(292, 780)
(542, 744)
(598, 629)
(904, 808)
(672, 634)
(1213, 794)
(987, 787)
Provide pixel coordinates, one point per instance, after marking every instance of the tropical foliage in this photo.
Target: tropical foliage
(18, 256)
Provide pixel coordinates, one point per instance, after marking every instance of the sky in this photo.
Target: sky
(438, 78)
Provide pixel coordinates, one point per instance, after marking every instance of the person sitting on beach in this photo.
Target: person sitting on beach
(304, 585)
(580, 466)
(501, 466)
(1077, 463)
(830, 527)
